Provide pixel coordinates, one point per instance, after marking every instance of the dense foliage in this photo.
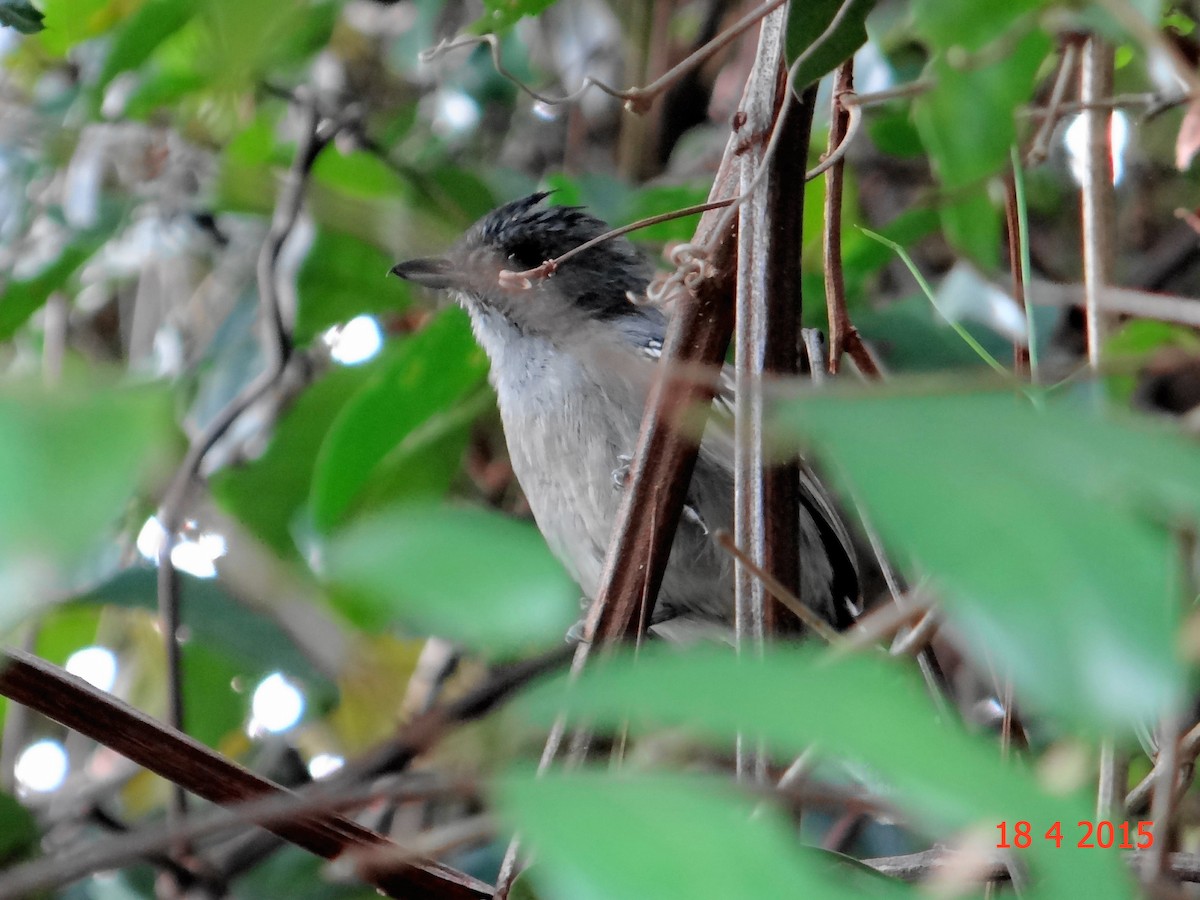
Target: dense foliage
(203, 363)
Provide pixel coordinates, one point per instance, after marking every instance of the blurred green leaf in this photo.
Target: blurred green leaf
(140, 34)
(808, 21)
(972, 225)
(297, 875)
(967, 24)
(500, 15)
(358, 173)
(19, 833)
(19, 14)
(1049, 531)
(65, 629)
(601, 835)
(343, 277)
(967, 123)
(431, 372)
(212, 707)
(867, 708)
(911, 337)
(58, 504)
(463, 574)
(67, 22)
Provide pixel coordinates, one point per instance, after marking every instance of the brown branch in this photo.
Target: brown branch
(843, 336)
(766, 517)
(186, 762)
(175, 756)
(1097, 201)
(148, 842)
(1039, 147)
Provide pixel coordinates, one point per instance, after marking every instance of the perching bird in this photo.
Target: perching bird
(572, 359)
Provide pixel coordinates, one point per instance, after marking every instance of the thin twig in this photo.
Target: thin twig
(275, 809)
(637, 99)
(1039, 147)
(1024, 264)
(843, 336)
(277, 346)
(1012, 223)
(917, 640)
(1096, 79)
(788, 598)
(1162, 807)
(1189, 747)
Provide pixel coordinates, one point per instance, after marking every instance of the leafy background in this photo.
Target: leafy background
(359, 525)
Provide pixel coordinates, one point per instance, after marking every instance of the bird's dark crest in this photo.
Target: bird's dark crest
(527, 234)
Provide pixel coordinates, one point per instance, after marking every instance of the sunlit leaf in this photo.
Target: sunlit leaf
(464, 574)
(58, 503)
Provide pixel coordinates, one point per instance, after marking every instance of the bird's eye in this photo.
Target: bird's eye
(528, 253)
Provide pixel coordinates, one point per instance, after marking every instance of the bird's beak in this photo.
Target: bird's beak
(434, 273)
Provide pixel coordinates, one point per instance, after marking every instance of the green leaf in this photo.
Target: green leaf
(358, 174)
(432, 371)
(1046, 529)
(464, 574)
(67, 22)
(967, 123)
(501, 15)
(343, 277)
(19, 832)
(868, 708)
(141, 34)
(808, 21)
(58, 503)
(21, 15)
(212, 707)
(967, 24)
(599, 835)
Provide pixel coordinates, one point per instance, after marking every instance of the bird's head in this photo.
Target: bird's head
(595, 285)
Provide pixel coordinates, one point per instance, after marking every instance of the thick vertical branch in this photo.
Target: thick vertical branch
(766, 509)
(1095, 87)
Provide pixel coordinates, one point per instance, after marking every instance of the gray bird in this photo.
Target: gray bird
(572, 359)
